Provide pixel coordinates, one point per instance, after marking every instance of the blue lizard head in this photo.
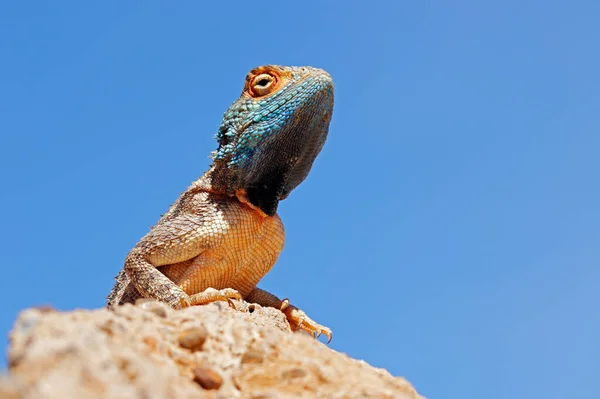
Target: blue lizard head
(271, 135)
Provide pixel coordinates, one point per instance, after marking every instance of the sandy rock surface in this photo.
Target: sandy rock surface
(151, 351)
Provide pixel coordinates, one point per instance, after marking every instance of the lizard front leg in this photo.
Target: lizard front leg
(151, 283)
(297, 318)
(173, 241)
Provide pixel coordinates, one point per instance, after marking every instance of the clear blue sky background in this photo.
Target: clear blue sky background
(449, 229)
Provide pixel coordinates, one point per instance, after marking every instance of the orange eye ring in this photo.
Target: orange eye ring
(263, 84)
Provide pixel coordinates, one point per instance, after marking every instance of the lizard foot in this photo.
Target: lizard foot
(211, 295)
(300, 321)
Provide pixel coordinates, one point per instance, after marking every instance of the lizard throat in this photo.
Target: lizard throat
(242, 196)
(262, 197)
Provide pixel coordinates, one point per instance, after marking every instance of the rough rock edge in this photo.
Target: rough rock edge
(151, 351)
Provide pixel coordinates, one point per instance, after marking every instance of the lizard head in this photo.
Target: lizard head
(271, 135)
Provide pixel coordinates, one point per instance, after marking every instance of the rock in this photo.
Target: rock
(193, 339)
(207, 378)
(150, 351)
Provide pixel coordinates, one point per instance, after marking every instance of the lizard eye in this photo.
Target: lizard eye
(262, 84)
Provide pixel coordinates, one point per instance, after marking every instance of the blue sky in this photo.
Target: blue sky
(449, 229)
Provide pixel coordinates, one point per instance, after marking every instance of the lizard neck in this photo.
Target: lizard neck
(218, 180)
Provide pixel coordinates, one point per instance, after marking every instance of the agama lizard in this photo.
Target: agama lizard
(223, 233)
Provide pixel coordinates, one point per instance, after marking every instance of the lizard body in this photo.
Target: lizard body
(223, 233)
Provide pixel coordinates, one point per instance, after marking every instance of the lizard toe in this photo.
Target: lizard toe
(300, 321)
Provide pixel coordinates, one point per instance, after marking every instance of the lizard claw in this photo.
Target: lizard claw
(300, 321)
(184, 302)
(212, 295)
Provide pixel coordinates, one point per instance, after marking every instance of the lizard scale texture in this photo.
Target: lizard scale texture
(223, 234)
